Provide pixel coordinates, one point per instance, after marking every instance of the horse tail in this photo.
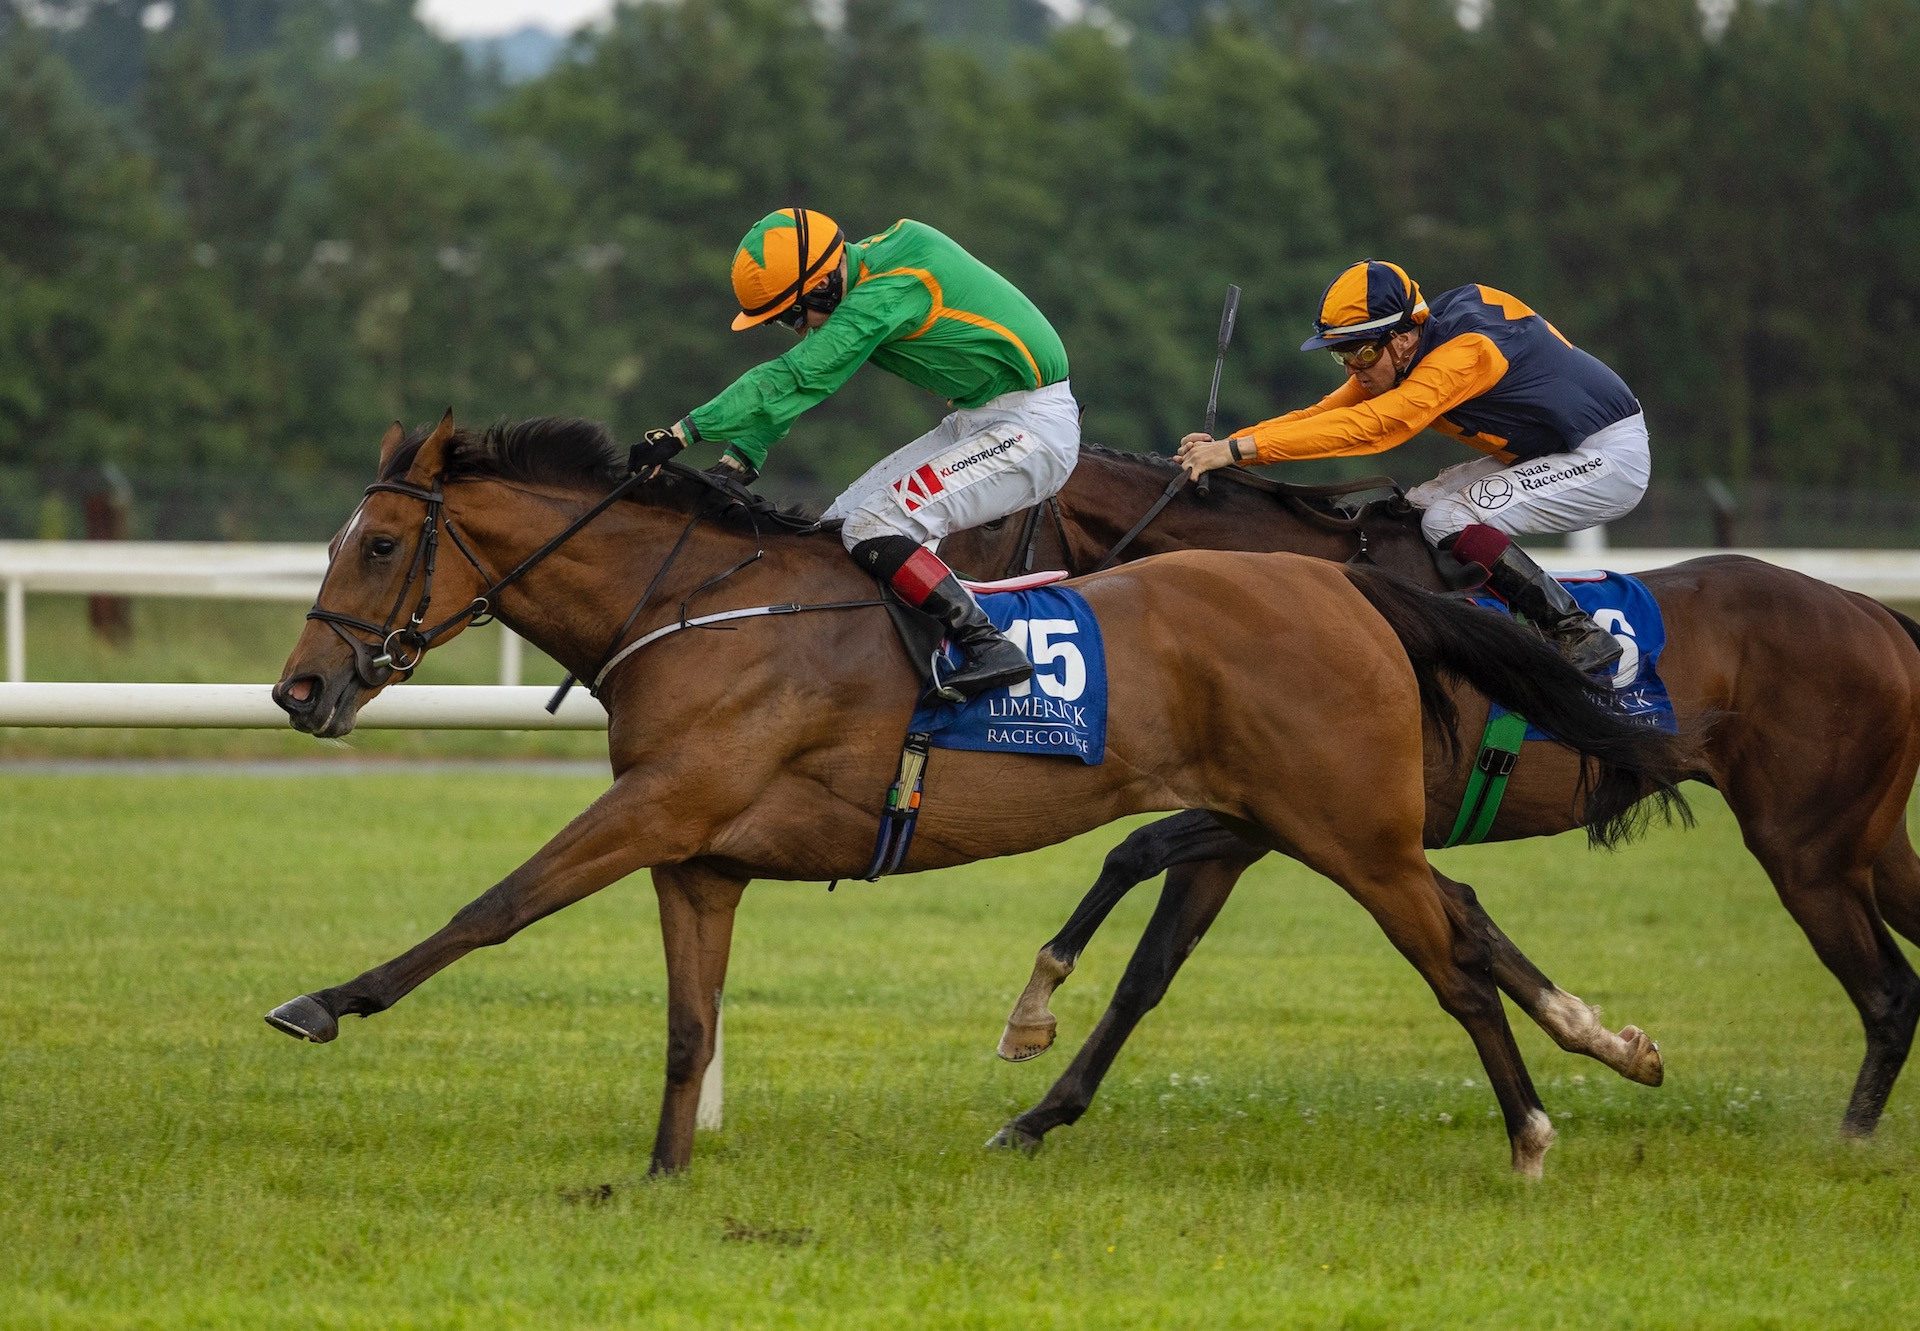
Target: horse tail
(1633, 771)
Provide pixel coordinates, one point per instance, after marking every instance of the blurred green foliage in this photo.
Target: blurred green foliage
(235, 243)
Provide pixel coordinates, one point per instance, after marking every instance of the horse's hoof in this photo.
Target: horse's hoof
(1013, 1137)
(1020, 1043)
(1642, 1063)
(304, 1019)
(1530, 1145)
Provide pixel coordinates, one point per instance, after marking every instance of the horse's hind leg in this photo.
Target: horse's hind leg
(1896, 886)
(1191, 898)
(1574, 1024)
(1831, 896)
(1181, 839)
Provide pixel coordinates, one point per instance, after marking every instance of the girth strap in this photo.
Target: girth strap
(1487, 785)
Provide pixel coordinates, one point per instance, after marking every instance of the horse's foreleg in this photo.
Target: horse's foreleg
(696, 928)
(1574, 1024)
(1181, 839)
(1188, 904)
(599, 847)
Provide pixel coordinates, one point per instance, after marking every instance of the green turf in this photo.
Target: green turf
(1298, 1137)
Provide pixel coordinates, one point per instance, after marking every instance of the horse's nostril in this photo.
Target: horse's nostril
(297, 695)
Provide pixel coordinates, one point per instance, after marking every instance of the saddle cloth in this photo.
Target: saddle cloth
(1624, 607)
(1062, 710)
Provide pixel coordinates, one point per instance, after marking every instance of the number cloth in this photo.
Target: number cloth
(1488, 371)
(918, 306)
(1624, 607)
(1062, 710)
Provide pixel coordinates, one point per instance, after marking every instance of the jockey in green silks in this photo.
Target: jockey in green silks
(916, 304)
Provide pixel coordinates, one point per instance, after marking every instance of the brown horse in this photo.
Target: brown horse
(1810, 697)
(766, 752)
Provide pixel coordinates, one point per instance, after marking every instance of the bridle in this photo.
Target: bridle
(400, 647)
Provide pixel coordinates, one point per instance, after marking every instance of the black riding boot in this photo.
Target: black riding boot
(1531, 590)
(920, 579)
(993, 662)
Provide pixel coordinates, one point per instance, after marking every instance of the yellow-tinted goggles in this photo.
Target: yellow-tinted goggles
(1362, 357)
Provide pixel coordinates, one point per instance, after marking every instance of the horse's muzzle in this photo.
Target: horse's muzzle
(316, 706)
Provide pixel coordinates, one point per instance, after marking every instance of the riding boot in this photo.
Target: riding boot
(921, 579)
(993, 662)
(1532, 592)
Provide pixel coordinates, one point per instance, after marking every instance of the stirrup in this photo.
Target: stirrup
(1584, 650)
(949, 689)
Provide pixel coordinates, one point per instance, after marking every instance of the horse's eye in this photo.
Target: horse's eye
(381, 546)
(995, 525)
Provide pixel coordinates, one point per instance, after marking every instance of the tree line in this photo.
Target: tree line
(238, 236)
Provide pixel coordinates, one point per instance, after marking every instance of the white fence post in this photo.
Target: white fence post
(16, 631)
(713, 1085)
(509, 656)
(1587, 541)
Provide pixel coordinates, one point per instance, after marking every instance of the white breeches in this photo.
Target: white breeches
(1597, 482)
(974, 466)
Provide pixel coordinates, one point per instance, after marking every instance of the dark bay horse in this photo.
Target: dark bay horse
(1809, 697)
(765, 752)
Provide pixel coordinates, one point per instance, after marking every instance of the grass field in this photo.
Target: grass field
(1298, 1136)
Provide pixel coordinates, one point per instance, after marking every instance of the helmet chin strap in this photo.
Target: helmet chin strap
(1399, 374)
(801, 276)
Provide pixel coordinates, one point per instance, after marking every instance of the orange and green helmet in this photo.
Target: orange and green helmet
(1369, 300)
(784, 256)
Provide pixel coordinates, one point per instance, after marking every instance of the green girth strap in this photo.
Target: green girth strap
(1499, 751)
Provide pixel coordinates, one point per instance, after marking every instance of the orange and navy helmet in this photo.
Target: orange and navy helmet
(786, 255)
(1369, 300)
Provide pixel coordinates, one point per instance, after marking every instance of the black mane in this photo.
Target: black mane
(573, 453)
(1156, 461)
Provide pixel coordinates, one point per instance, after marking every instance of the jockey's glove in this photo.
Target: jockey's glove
(654, 448)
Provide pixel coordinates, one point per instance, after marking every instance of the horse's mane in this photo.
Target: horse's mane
(575, 454)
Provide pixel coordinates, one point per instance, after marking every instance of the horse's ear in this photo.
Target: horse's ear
(432, 457)
(390, 444)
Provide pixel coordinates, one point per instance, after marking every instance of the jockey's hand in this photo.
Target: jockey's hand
(1202, 453)
(732, 467)
(653, 450)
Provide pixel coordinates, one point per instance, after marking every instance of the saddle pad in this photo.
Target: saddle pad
(1062, 710)
(1625, 608)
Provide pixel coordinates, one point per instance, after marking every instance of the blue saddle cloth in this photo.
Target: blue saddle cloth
(1062, 710)
(1625, 608)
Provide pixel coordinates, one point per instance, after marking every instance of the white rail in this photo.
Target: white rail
(200, 570)
(251, 707)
